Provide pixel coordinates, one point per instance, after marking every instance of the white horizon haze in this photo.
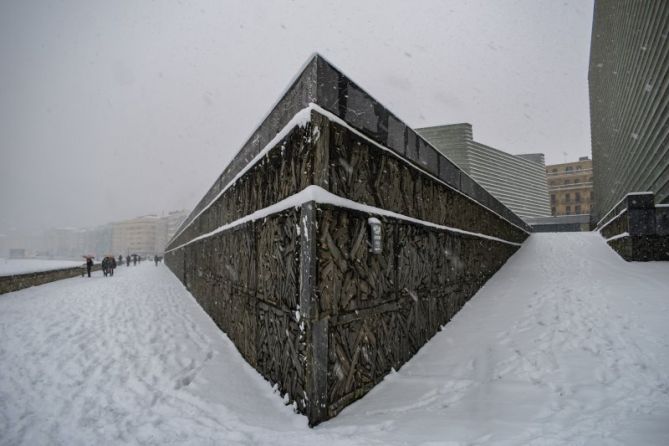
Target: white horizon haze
(112, 110)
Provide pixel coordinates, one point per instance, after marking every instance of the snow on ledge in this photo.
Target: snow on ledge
(320, 195)
(301, 119)
(620, 201)
(612, 220)
(334, 118)
(616, 237)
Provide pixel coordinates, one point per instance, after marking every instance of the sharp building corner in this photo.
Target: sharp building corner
(337, 243)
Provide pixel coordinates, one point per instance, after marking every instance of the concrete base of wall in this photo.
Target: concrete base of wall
(642, 248)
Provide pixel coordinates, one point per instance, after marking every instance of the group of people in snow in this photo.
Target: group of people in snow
(109, 263)
(108, 266)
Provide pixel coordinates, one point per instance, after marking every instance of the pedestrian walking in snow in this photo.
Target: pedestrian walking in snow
(89, 265)
(105, 266)
(127, 261)
(112, 265)
(155, 259)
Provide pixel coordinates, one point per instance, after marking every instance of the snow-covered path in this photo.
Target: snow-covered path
(567, 344)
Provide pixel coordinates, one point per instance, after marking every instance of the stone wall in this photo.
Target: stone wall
(281, 173)
(247, 280)
(311, 308)
(637, 229)
(279, 256)
(17, 282)
(379, 310)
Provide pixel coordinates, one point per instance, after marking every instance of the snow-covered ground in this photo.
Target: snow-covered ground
(21, 266)
(567, 344)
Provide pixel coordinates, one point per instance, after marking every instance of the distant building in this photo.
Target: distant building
(629, 100)
(570, 187)
(561, 223)
(147, 235)
(4, 249)
(65, 243)
(98, 240)
(31, 243)
(518, 181)
(17, 253)
(141, 235)
(174, 220)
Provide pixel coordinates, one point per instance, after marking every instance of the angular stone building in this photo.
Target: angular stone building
(518, 181)
(337, 242)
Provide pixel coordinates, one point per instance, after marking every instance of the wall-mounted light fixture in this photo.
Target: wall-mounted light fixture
(376, 241)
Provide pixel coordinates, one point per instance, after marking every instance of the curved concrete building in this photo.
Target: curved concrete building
(518, 181)
(629, 82)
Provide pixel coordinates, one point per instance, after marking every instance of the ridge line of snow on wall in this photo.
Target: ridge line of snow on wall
(332, 117)
(616, 237)
(320, 195)
(301, 119)
(612, 220)
(620, 201)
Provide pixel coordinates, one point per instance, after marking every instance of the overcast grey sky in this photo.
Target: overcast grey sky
(114, 109)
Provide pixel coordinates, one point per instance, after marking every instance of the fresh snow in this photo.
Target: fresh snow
(320, 195)
(616, 237)
(620, 201)
(566, 345)
(22, 266)
(301, 119)
(612, 220)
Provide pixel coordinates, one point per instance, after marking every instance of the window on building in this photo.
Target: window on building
(577, 197)
(567, 182)
(568, 210)
(552, 198)
(577, 209)
(553, 212)
(569, 169)
(567, 197)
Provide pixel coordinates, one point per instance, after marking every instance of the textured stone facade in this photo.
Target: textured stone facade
(381, 309)
(279, 255)
(637, 229)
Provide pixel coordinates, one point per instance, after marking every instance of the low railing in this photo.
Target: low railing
(17, 282)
